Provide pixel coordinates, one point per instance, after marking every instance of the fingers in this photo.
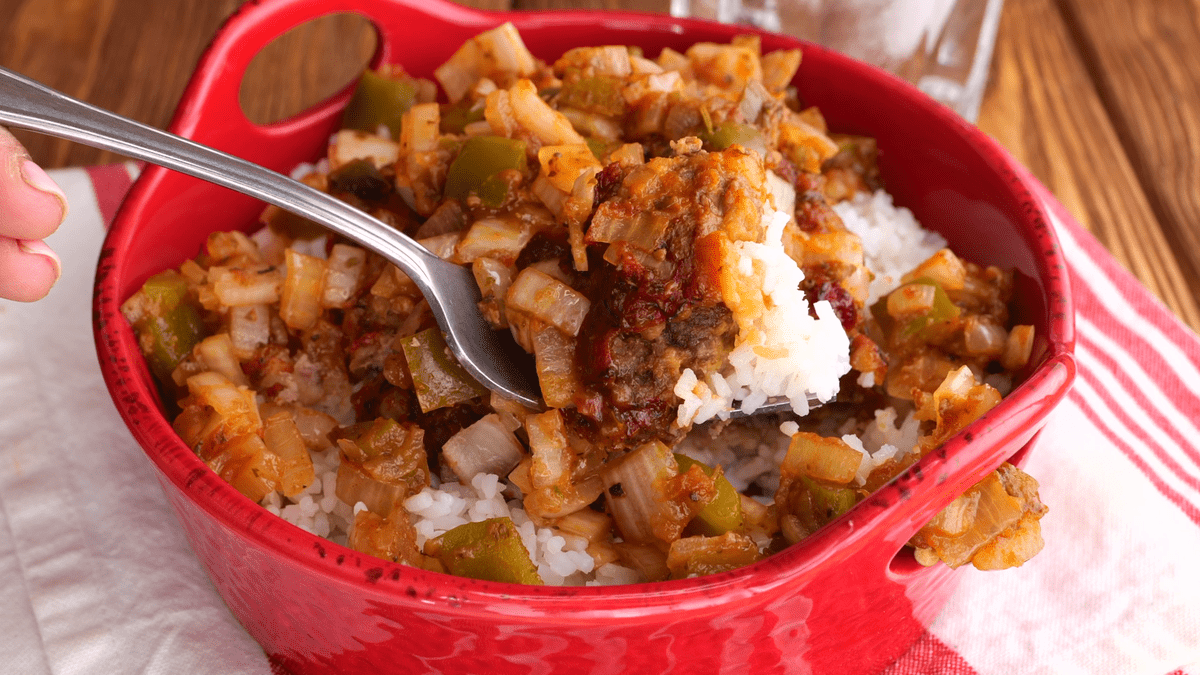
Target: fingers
(28, 268)
(31, 205)
(31, 209)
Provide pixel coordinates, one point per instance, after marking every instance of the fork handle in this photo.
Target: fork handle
(450, 289)
(27, 104)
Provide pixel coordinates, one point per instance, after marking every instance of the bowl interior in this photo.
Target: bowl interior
(954, 179)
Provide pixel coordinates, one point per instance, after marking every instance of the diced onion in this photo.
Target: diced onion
(779, 67)
(500, 238)
(1018, 348)
(354, 486)
(236, 405)
(283, 438)
(943, 267)
(217, 353)
(300, 302)
(910, 300)
(343, 273)
(827, 459)
(983, 338)
(548, 299)
(349, 145)
(554, 356)
(443, 246)
(249, 329)
(639, 502)
(497, 51)
(589, 524)
(645, 230)
(234, 287)
(419, 128)
(535, 115)
(449, 217)
(487, 446)
(549, 448)
(562, 164)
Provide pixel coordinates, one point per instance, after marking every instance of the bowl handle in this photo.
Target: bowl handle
(210, 112)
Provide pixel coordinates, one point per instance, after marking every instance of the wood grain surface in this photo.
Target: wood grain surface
(1097, 97)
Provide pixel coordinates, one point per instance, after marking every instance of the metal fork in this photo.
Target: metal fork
(490, 356)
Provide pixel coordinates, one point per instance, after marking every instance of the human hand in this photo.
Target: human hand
(31, 208)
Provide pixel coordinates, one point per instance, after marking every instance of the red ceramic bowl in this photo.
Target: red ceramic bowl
(847, 600)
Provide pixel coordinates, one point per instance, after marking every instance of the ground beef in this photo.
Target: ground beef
(655, 313)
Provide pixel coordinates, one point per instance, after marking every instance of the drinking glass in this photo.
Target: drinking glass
(942, 46)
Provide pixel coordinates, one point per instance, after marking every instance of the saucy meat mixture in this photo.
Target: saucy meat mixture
(601, 201)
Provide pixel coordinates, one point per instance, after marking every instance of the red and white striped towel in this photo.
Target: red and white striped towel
(95, 576)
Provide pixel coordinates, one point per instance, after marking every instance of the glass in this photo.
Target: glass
(942, 46)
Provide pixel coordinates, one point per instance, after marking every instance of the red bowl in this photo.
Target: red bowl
(846, 600)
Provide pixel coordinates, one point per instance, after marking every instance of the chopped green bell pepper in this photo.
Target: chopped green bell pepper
(456, 116)
(480, 159)
(943, 309)
(731, 133)
(167, 323)
(438, 378)
(490, 550)
(599, 94)
(828, 502)
(724, 513)
(379, 100)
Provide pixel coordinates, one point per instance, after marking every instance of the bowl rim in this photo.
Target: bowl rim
(1024, 408)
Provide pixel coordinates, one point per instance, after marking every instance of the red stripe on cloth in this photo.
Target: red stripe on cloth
(110, 183)
(1164, 373)
(1164, 458)
(1150, 308)
(930, 656)
(1172, 496)
(1133, 389)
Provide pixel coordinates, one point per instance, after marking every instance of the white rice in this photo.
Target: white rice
(883, 440)
(318, 509)
(805, 356)
(561, 558)
(893, 241)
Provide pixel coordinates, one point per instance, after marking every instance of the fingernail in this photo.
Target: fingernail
(38, 247)
(36, 178)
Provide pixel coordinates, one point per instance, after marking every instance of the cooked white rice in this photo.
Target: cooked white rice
(750, 452)
(561, 558)
(807, 356)
(893, 241)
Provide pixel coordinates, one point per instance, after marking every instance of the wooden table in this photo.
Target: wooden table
(1098, 97)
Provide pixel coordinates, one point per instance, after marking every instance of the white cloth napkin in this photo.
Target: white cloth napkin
(96, 576)
(95, 573)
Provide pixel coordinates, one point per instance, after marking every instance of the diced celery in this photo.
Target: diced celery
(379, 100)
(481, 158)
(724, 513)
(438, 378)
(490, 550)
